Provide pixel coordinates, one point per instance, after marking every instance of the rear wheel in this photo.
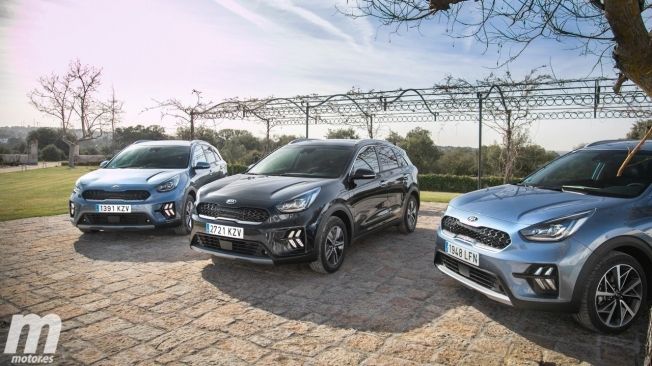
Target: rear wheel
(614, 295)
(331, 245)
(410, 215)
(186, 217)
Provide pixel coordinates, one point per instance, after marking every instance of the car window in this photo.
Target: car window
(214, 150)
(198, 156)
(210, 156)
(151, 157)
(387, 158)
(399, 156)
(315, 161)
(367, 160)
(595, 172)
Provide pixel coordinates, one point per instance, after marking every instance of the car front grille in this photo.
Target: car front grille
(236, 246)
(127, 219)
(482, 278)
(240, 213)
(484, 235)
(99, 195)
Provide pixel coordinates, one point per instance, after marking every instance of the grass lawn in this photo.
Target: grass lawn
(443, 197)
(38, 192)
(45, 192)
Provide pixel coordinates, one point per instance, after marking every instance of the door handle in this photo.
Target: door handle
(383, 183)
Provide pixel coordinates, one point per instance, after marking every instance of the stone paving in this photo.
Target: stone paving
(146, 298)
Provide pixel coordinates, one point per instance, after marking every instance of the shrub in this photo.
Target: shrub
(236, 168)
(454, 183)
(52, 153)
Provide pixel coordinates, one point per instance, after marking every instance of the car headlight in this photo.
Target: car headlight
(169, 184)
(77, 188)
(300, 202)
(556, 229)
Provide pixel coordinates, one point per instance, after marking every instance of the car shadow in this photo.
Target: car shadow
(388, 284)
(137, 246)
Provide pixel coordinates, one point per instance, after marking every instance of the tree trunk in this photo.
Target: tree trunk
(72, 152)
(192, 126)
(633, 50)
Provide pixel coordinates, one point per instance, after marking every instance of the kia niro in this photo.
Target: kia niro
(574, 236)
(307, 202)
(147, 185)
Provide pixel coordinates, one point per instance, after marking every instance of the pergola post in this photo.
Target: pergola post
(479, 140)
(307, 118)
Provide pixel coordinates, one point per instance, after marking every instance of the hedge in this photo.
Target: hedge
(427, 182)
(455, 183)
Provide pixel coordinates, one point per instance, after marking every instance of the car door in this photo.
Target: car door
(199, 176)
(218, 167)
(392, 180)
(367, 198)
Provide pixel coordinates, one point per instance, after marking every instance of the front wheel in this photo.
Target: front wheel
(410, 215)
(614, 295)
(186, 217)
(331, 245)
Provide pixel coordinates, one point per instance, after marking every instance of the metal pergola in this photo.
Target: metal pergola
(562, 99)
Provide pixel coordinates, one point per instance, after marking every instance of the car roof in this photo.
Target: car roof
(339, 142)
(618, 145)
(168, 142)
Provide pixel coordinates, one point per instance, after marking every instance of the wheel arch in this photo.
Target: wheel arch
(631, 245)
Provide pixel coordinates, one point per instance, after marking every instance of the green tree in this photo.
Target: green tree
(421, 149)
(201, 133)
(458, 161)
(395, 138)
(638, 129)
(342, 133)
(124, 136)
(51, 153)
(283, 140)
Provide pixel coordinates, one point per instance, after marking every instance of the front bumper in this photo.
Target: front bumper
(144, 215)
(273, 241)
(507, 275)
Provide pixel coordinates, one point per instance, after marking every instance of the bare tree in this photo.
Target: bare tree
(114, 107)
(188, 114)
(72, 99)
(509, 118)
(593, 26)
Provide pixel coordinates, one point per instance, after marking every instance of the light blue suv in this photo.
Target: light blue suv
(147, 185)
(575, 236)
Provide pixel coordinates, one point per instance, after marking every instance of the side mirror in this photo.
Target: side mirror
(363, 174)
(104, 163)
(201, 165)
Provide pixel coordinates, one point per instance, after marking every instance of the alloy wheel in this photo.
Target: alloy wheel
(619, 296)
(334, 245)
(412, 213)
(188, 211)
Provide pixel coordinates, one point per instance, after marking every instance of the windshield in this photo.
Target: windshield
(306, 161)
(152, 157)
(594, 172)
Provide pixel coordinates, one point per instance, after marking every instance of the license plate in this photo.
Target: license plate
(113, 208)
(223, 230)
(466, 255)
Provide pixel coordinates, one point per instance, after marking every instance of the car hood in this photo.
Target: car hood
(103, 178)
(257, 190)
(528, 205)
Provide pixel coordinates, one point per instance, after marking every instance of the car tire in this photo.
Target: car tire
(331, 245)
(629, 294)
(410, 215)
(186, 217)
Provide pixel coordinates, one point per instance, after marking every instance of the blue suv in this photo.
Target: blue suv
(149, 184)
(575, 236)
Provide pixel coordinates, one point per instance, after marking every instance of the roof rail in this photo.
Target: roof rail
(602, 142)
(139, 141)
(300, 140)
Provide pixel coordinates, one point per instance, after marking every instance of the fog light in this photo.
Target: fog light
(168, 210)
(71, 207)
(289, 242)
(542, 278)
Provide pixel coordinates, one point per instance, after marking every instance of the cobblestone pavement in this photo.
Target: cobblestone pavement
(129, 298)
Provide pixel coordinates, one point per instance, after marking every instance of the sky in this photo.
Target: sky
(154, 50)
